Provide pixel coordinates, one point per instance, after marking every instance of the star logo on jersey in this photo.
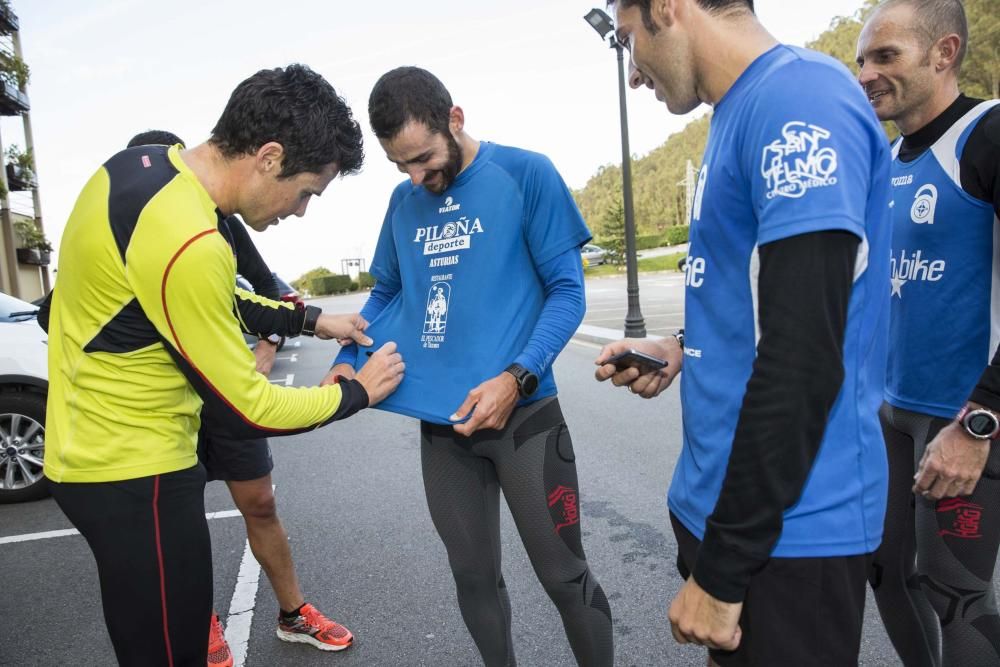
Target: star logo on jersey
(897, 286)
(924, 203)
(798, 161)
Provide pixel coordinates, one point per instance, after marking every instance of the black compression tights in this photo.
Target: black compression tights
(532, 461)
(932, 576)
(154, 560)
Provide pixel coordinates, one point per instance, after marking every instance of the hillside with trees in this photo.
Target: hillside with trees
(659, 200)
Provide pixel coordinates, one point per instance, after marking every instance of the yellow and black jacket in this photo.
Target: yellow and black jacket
(142, 331)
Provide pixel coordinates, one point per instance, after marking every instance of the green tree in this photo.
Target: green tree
(981, 70)
(658, 200)
(302, 283)
(614, 230)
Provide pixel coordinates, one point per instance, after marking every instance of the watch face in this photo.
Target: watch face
(982, 424)
(529, 384)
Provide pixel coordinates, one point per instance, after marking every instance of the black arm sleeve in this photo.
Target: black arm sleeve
(263, 317)
(249, 263)
(980, 168)
(804, 287)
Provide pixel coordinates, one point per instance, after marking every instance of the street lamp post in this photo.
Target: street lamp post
(635, 325)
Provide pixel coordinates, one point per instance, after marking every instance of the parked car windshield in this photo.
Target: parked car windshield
(284, 287)
(15, 310)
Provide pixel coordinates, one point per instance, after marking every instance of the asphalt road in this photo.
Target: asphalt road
(351, 498)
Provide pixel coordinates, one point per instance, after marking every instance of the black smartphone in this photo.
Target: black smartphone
(635, 359)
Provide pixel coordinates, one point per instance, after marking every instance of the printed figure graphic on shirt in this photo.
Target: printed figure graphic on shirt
(437, 309)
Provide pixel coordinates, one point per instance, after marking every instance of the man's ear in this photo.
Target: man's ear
(946, 51)
(456, 120)
(269, 157)
(664, 12)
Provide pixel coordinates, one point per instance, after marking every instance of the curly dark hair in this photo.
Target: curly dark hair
(154, 138)
(405, 94)
(300, 110)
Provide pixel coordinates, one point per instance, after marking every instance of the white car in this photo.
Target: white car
(23, 387)
(593, 254)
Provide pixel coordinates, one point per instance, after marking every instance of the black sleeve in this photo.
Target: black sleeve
(804, 287)
(980, 161)
(980, 168)
(987, 390)
(263, 317)
(44, 311)
(249, 263)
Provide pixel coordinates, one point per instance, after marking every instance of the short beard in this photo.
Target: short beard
(449, 172)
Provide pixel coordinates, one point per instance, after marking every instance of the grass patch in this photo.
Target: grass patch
(662, 263)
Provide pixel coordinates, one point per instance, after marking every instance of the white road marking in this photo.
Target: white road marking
(49, 534)
(287, 381)
(242, 605)
(38, 536)
(292, 358)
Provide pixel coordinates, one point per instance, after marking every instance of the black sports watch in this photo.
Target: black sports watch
(310, 319)
(527, 382)
(980, 423)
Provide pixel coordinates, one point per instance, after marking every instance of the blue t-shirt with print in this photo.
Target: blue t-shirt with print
(794, 147)
(462, 265)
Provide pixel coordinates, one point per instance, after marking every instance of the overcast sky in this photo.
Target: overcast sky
(530, 74)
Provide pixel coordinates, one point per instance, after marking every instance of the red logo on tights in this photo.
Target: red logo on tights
(966, 522)
(570, 513)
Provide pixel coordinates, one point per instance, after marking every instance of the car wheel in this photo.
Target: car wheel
(22, 447)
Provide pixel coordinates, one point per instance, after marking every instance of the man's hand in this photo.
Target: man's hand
(698, 618)
(951, 464)
(647, 385)
(348, 328)
(382, 373)
(493, 401)
(264, 353)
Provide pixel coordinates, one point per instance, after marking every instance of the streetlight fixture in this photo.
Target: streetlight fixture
(635, 325)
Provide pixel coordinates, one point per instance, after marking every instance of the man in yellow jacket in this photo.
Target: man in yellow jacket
(143, 333)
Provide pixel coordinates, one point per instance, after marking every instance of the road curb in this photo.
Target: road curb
(601, 335)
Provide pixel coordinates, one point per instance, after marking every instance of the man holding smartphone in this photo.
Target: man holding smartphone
(782, 474)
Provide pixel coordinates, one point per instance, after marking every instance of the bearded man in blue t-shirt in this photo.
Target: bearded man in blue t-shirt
(479, 281)
(778, 498)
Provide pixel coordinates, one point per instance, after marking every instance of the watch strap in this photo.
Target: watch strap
(309, 321)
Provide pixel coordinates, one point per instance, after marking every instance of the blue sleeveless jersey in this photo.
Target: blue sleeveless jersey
(783, 161)
(945, 292)
(463, 263)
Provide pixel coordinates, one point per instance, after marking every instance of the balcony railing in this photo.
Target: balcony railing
(13, 102)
